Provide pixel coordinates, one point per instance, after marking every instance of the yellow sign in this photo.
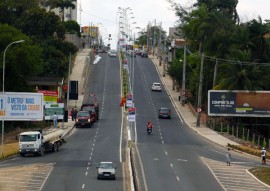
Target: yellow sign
(90, 31)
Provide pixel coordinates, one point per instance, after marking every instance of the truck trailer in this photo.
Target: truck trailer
(37, 142)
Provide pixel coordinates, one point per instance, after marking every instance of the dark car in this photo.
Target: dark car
(83, 119)
(92, 111)
(164, 112)
(144, 54)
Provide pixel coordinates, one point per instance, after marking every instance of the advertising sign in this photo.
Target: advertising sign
(129, 100)
(239, 103)
(132, 114)
(49, 96)
(19, 106)
(51, 109)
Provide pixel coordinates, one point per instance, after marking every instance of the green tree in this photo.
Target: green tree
(22, 60)
(72, 27)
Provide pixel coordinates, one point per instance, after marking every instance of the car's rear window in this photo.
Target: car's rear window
(83, 114)
(164, 110)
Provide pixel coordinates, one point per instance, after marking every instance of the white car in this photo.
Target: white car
(112, 53)
(106, 170)
(156, 86)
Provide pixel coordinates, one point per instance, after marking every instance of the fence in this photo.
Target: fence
(241, 134)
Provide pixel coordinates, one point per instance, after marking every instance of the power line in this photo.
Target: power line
(228, 61)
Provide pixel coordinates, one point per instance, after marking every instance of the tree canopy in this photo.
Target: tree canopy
(44, 52)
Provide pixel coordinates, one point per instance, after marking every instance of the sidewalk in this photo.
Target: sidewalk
(79, 72)
(185, 112)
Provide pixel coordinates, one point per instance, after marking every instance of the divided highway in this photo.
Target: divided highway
(172, 158)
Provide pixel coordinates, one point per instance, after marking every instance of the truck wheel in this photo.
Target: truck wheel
(58, 146)
(54, 149)
(42, 151)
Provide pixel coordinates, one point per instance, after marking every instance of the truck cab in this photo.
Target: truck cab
(30, 142)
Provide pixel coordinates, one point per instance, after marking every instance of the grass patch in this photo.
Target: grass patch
(249, 150)
(10, 149)
(262, 173)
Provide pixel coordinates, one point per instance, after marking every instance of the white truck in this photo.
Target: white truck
(37, 142)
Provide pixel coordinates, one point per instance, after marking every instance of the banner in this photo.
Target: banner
(49, 96)
(239, 103)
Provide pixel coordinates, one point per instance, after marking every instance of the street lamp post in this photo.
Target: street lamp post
(3, 85)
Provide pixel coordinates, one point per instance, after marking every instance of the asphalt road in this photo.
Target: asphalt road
(73, 168)
(99, 143)
(174, 157)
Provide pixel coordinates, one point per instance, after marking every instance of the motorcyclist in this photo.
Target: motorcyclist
(149, 125)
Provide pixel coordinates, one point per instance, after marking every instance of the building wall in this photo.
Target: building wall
(70, 14)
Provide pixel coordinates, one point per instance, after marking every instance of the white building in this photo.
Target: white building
(70, 14)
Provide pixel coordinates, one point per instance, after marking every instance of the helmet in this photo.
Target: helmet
(263, 148)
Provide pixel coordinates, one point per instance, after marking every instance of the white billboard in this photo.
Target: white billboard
(21, 106)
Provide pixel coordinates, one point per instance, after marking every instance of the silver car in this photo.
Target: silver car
(106, 170)
(156, 86)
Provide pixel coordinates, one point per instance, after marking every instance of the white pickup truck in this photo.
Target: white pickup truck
(37, 142)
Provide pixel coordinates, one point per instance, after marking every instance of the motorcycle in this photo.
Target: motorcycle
(149, 131)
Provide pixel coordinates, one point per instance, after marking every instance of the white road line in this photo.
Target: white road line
(135, 132)
(45, 180)
(83, 186)
(89, 163)
(184, 160)
(166, 153)
(121, 131)
(178, 179)
(87, 168)
(89, 158)
(162, 142)
(171, 165)
(86, 173)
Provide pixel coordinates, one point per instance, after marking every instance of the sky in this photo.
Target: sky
(103, 13)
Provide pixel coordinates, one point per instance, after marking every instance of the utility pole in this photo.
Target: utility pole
(154, 39)
(183, 93)
(215, 73)
(200, 93)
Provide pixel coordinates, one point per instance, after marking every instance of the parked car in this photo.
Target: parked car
(156, 86)
(106, 170)
(83, 119)
(164, 112)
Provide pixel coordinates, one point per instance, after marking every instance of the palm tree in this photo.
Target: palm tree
(239, 75)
